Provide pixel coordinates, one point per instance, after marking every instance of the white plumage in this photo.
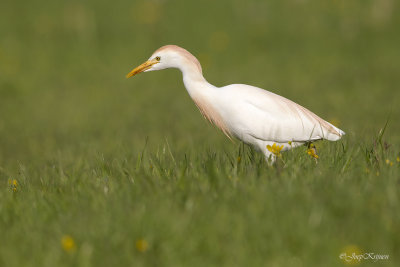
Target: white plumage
(251, 114)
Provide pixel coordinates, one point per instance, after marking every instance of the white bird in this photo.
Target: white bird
(251, 114)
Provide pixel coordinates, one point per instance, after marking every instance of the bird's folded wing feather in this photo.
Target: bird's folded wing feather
(270, 117)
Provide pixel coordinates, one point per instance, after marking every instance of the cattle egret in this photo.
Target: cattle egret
(267, 121)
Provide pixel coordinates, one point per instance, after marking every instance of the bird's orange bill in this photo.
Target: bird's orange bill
(145, 66)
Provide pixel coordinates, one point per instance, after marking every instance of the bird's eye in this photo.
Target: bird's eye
(158, 58)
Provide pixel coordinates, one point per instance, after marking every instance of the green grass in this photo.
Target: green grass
(109, 161)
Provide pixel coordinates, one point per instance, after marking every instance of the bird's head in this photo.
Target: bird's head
(169, 56)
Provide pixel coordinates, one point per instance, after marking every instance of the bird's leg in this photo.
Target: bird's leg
(270, 158)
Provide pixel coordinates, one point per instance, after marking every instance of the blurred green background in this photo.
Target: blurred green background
(66, 107)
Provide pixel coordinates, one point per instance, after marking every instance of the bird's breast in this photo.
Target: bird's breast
(211, 113)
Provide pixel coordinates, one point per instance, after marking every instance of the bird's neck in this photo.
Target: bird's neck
(204, 96)
(194, 81)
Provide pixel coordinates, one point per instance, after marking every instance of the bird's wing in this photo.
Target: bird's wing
(270, 117)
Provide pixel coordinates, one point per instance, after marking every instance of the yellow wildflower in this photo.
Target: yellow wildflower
(275, 149)
(14, 184)
(398, 159)
(312, 151)
(388, 162)
(142, 245)
(68, 243)
(239, 159)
